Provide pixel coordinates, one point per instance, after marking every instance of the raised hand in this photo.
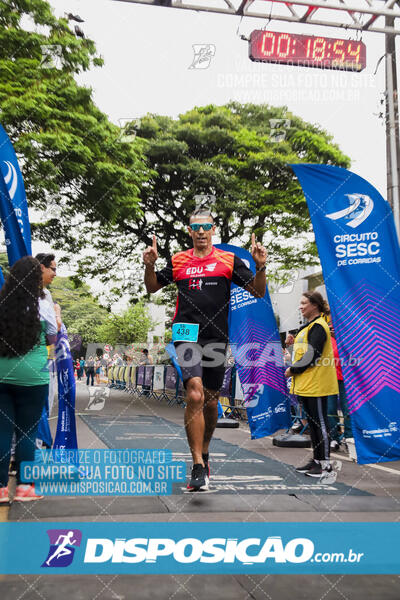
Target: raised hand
(258, 252)
(150, 255)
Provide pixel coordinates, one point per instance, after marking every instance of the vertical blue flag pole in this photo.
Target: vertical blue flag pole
(65, 437)
(360, 257)
(256, 347)
(13, 204)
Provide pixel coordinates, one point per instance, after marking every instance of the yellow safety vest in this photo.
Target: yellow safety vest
(319, 379)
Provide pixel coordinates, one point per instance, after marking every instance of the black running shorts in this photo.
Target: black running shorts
(206, 360)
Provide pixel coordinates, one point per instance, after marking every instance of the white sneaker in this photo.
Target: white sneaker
(335, 445)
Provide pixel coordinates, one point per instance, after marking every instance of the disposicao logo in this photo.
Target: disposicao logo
(62, 547)
(360, 208)
(191, 550)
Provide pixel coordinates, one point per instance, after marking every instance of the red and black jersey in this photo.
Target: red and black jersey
(204, 289)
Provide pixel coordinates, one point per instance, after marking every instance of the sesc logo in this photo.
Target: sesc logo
(62, 547)
(191, 550)
(360, 208)
(11, 178)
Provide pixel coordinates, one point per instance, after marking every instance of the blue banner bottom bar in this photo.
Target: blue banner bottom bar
(218, 548)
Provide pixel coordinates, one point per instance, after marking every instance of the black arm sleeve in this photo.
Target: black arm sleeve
(241, 274)
(316, 341)
(165, 276)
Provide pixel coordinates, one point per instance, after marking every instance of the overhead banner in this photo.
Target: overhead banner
(13, 205)
(359, 252)
(256, 347)
(66, 427)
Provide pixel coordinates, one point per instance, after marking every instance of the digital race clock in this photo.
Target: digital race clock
(307, 50)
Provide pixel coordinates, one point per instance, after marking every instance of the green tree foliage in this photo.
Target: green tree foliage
(109, 194)
(131, 326)
(232, 153)
(74, 164)
(81, 313)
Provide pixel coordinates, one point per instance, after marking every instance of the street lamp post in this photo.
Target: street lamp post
(392, 126)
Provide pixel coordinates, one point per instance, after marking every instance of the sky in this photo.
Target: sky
(148, 52)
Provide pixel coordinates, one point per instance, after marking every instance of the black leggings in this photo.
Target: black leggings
(90, 374)
(20, 410)
(316, 409)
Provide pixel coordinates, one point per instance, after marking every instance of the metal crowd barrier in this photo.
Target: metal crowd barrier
(162, 383)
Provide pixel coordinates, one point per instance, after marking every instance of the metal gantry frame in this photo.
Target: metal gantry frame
(376, 16)
(361, 15)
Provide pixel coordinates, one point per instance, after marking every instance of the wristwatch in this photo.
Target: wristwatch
(261, 268)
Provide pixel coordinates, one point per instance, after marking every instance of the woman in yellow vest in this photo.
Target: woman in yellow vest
(314, 377)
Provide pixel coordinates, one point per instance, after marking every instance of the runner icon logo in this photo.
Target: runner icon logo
(203, 53)
(62, 547)
(97, 398)
(360, 208)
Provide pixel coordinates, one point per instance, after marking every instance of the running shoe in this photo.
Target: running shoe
(296, 428)
(205, 458)
(334, 445)
(26, 493)
(306, 467)
(4, 499)
(315, 471)
(198, 480)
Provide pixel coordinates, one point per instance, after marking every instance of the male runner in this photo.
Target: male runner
(203, 275)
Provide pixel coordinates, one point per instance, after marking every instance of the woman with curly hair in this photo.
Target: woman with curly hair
(26, 318)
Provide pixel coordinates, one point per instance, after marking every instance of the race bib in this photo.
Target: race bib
(185, 332)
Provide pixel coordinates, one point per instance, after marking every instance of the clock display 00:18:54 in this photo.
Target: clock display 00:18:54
(307, 50)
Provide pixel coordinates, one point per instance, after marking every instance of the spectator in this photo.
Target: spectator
(49, 269)
(97, 368)
(90, 370)
(24, 376)
(81, 367)
(49, 272)
(117, 360)
(333, 418)
(146, 359)
(314, 378)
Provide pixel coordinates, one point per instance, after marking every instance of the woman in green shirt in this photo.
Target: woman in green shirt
(26, 320)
